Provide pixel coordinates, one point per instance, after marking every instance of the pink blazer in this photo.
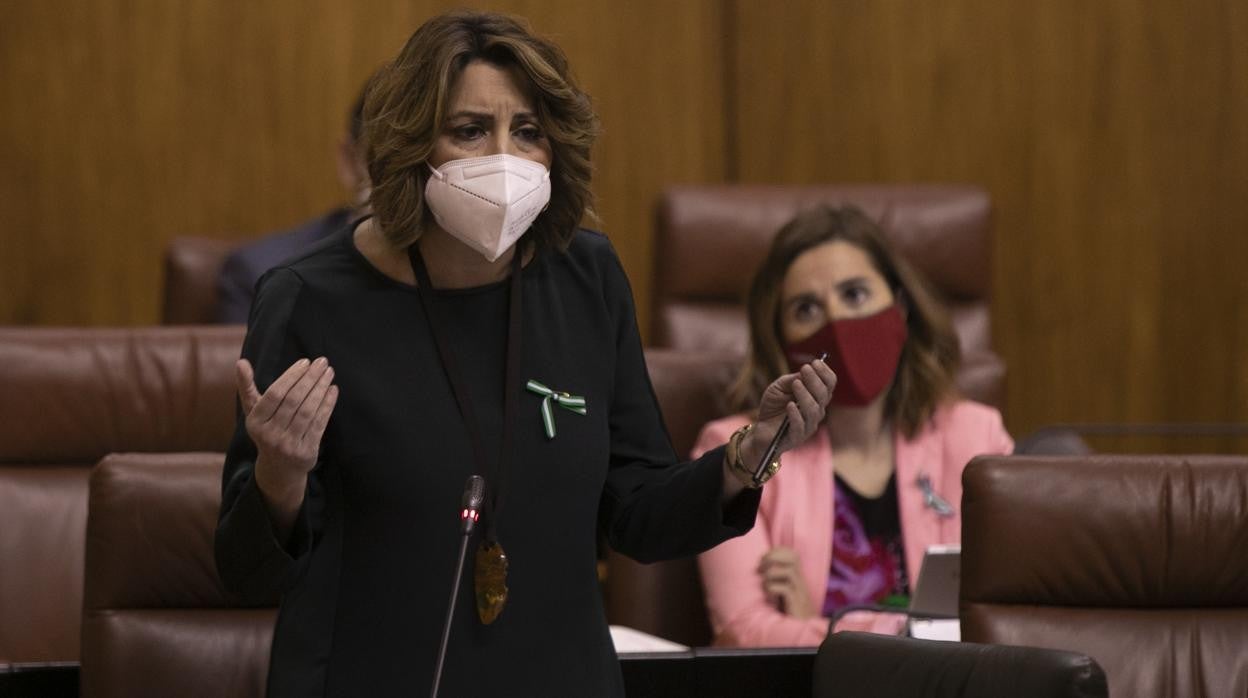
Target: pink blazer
(796, 512)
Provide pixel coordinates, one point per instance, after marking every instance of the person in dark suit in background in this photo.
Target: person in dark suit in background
(236, 284)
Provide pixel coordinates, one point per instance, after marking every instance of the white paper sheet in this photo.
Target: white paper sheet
(943, 629)
(630, 640)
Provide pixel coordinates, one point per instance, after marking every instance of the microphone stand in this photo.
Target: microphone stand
(474, 496)
(450, 613)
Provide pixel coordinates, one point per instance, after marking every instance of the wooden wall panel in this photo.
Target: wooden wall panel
(655, 70)
(1114, 139)
(1112, 135)
(126, 123)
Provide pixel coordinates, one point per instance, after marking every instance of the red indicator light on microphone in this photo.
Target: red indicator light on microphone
(473, 513)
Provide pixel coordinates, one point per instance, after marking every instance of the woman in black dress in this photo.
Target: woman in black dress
(468, 327)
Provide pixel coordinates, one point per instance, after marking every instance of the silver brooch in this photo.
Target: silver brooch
(932, 500)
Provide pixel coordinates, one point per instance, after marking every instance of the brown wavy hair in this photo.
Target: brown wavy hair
(930, 358)
(405, 109)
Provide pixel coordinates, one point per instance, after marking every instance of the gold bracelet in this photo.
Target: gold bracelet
(744, 473)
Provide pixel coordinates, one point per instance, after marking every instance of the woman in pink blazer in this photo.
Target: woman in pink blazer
(847, 520)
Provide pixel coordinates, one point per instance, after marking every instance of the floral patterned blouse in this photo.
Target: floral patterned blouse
(868, 561)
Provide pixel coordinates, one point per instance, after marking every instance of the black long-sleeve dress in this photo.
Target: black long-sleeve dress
(365, 576)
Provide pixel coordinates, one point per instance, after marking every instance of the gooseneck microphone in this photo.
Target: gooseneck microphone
(474, 496)
(470, 512)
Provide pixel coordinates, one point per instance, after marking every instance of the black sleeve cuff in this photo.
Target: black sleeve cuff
(252, 562)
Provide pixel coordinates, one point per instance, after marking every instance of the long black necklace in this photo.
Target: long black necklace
(490, 568)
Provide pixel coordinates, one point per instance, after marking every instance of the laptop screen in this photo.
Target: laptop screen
(936, 591)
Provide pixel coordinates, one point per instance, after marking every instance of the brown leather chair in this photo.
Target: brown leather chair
(665, 598)
(156, 619)
(710, 239)
(69, 397)
(192, 265)
(1137, 561)
(699, 329)
(863, 665)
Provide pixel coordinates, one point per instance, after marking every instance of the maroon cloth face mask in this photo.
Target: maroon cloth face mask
(863, 352)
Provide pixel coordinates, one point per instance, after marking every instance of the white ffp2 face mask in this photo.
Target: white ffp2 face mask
(487, 203)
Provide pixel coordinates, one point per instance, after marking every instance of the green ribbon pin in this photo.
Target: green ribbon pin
(569, 402)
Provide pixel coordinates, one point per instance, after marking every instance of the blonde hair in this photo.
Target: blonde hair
(930, 358)
(405, 109)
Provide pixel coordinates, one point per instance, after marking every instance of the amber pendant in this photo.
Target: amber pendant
(490, 580)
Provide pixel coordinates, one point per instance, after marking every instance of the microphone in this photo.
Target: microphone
(474, 496)
(470, 512)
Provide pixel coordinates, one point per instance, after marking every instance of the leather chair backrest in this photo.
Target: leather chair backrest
(69, 397)
(192, 265)
(1136, 561)
(865, 665)
(665, 598)
(158, 622)
(156, 619)
(710, 240)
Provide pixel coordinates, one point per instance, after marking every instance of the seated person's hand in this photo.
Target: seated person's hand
(781, 574)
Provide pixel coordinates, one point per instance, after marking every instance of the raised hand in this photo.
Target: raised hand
(803, 397)
(286, 423)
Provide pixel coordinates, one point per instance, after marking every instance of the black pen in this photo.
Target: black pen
(770, 453)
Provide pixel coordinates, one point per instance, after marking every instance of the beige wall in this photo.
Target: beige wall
(1113, 136)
